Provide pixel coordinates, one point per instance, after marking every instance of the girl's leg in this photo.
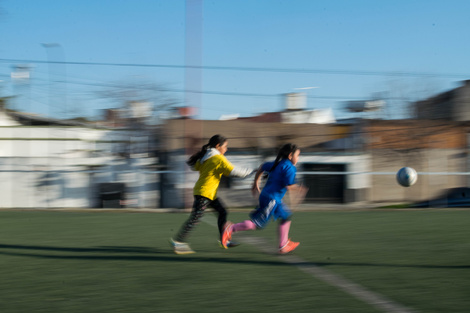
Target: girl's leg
(259, 218)
(285, 244)
(219, 207)
(199, 206)
(231, 228)
(284, 227)
(245, 225)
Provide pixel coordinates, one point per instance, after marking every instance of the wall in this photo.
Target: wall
(461, 109)
(55, 167)
(385, 188)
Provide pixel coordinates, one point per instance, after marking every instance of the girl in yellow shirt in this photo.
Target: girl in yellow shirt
(212, 165)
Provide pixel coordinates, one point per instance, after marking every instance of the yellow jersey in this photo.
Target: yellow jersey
(210, 173)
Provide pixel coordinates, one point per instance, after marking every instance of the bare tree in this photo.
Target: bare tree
(127, 94)
(400, 94)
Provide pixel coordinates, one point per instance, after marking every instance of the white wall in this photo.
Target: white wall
(360, 164)
(49, 167)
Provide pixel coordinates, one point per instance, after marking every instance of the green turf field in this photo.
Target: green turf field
(121, 262)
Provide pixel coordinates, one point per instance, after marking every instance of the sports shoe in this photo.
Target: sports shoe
(181, 247)
(230, 244)
(288, 247)
(227, 235)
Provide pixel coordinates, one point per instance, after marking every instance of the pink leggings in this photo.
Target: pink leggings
(245, 225)
(249, 225)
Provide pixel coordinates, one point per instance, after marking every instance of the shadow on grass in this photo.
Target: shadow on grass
(153, 254)
(140, 254)
(107, 249)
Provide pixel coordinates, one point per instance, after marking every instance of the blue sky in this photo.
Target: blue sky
(349, 50)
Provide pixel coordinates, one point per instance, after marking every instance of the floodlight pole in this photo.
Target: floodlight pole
(48, 47)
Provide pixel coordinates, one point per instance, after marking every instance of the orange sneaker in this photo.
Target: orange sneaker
(227, 235)
(289, 247)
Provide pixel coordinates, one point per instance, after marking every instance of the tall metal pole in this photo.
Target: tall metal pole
(61, 100)
(193, 81)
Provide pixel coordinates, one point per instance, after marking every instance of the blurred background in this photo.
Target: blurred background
(101, 102)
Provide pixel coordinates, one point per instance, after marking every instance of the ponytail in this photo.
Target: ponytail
(213, 142)
(197, 156)
(284, 153)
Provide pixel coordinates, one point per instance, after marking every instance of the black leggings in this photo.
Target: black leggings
(200, 205)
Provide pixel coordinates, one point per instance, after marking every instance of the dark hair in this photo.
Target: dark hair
(284, 153)
(213, 142)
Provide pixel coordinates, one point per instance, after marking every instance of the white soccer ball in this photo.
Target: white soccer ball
(407, 176)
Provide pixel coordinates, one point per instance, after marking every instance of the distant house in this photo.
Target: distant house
(323, 116)
(453, 105)
(51, 163)
(295, 112)
(245, 135)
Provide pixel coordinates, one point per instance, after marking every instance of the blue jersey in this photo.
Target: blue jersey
(282, 176)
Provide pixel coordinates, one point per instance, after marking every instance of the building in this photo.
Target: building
(60, 163)
(250, 144)
(453, 105)
(340, 163)
(50, 163)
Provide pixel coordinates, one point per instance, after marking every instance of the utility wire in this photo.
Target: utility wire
(252, 69)
(209, 92)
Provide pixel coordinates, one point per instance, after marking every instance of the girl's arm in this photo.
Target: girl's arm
(255, 189)
(235, 171)
(241, 172)
(296, 194)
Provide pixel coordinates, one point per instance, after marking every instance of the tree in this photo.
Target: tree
(140, 100)
(400, 94)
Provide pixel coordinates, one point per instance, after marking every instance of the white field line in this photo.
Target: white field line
(372, 298)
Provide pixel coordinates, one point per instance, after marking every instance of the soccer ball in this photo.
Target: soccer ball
(407, 176)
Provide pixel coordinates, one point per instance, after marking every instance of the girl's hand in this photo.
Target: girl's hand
(255, 190)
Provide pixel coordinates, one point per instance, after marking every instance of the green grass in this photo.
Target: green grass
(121, 262)
(396, 206)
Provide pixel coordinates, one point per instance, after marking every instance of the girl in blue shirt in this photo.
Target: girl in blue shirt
(281, 178)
